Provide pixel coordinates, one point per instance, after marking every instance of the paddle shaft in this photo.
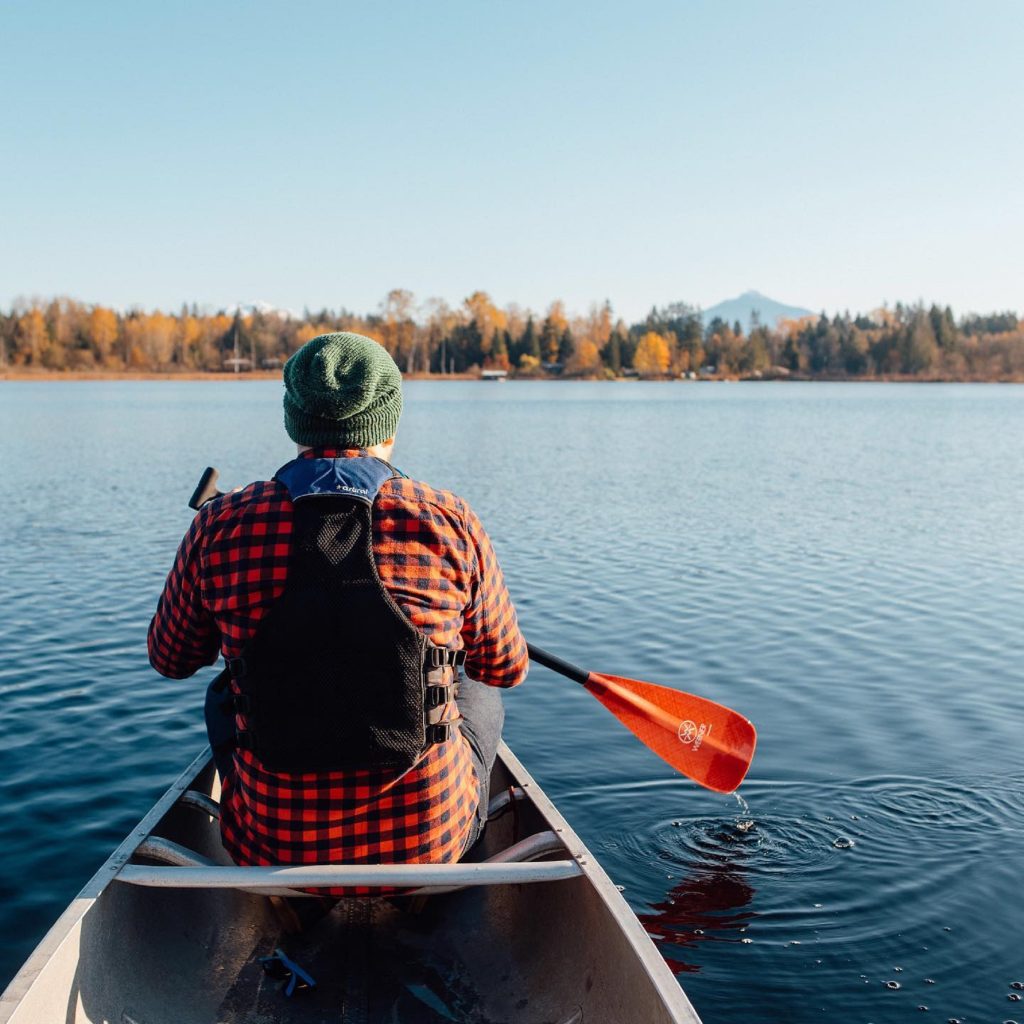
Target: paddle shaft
(563, 668)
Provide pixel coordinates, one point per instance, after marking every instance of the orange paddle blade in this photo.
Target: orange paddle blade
(705, 741)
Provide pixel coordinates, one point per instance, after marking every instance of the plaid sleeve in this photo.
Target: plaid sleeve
(183, 636)
(495, 649)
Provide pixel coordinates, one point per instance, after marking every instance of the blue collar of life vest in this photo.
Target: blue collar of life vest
(357, 477)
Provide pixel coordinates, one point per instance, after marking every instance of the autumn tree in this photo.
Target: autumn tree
(652, 355)
(439, 321)
(102, 333)
(585, 360)
(32, 337)
(397, 328)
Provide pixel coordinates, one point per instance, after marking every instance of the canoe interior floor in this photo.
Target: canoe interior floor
(372, 960)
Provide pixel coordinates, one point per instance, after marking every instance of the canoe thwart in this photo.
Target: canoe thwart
(513, 866)
(201, 802)
(540, 844)
(504, 799)
(168, 852)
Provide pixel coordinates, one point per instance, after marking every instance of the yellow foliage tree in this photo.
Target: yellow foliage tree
(652, 355)
(489, 319)
(32, 336)
(102, 332)
(191, 332)
(586, 360)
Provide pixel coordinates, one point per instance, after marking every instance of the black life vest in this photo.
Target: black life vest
(336, 676)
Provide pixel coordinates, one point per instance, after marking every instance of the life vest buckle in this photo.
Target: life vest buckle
(438, 657)
(437, 696)
(439, 733)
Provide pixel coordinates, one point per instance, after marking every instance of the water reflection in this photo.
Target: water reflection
(704, 907)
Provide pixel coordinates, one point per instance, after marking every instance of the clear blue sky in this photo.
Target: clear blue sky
(318, 154)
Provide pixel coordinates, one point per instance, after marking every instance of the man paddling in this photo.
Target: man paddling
(343, 596)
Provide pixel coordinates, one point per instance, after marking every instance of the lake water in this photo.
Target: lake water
(844, 564)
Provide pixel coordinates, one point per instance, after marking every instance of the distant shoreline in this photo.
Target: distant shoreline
(21, 375)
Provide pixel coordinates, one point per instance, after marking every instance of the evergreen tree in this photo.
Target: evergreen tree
(611, 354)
(529, 344)
(920, 349)
(566, 346)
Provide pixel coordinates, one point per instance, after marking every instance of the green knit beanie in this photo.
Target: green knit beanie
(341, 391)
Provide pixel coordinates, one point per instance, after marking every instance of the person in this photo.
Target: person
(343, 596)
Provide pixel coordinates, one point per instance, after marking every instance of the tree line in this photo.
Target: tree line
(912, 341)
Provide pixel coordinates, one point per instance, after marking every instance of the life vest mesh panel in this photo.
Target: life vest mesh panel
(334, 677)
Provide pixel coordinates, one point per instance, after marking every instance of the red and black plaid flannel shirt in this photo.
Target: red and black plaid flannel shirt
(438, 563)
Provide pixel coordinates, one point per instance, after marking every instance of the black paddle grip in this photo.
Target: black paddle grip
(563, 668)
(206, 489)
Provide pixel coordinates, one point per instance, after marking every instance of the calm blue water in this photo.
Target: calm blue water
(842, 563)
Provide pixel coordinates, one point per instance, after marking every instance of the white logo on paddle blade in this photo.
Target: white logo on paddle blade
(690, 732)
(687, 732)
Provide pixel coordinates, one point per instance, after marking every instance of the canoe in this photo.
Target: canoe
(531, 931)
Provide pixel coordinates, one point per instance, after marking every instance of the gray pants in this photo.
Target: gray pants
(483, 715)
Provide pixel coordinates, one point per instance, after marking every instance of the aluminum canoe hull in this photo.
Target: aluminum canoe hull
(553, 952)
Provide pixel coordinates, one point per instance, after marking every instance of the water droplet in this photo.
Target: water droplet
(893, 985)
(842, 843)
(621, 888)
(698, 931)
(794, 942)
(854, 817)
(677, 824)
(746, 942)
(817, 904)
(745, 826)
(1017, 985)
(922, 1007)
(1009, 1022)
(1013, 997)
(947, 929)
(898, 970)
(929, 981)
(954, 1020)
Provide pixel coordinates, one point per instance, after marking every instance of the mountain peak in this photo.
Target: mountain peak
(752, 302)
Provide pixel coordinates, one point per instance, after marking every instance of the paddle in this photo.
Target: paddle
(705, 741)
